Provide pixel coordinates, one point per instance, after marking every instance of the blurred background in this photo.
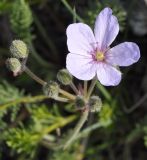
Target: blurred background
(33, 127)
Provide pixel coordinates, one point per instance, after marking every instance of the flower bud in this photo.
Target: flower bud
(79, 102)
(14, 65)
(19, 49)
(64, 77)
(95, 104)
(51, 89)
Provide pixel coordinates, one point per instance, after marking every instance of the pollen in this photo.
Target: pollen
(99, 56)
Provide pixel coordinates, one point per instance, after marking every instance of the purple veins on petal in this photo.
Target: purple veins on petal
(79, 38)
(108, 75)
(106, 28)
(123, 54)
(80, 67)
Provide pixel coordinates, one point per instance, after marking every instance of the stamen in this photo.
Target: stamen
(99, 56)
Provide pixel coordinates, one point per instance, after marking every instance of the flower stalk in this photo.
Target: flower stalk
(84, 117)
(85, 88)
(91, 88)
(23, 100)
(74, 88)
(77, 129)
(42, 82)
(61, 122)
(33, 76)
(67, 94)
(61, 99)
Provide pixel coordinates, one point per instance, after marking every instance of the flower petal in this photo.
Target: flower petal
(81, 67)
(123, 54)
(80, 38)
(106, 28)
(108, 75)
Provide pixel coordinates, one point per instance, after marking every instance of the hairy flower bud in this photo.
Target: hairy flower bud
(14, 65)
(51, 89)
(79, 102)
(95, 104)
(64, 77)
(19, 49)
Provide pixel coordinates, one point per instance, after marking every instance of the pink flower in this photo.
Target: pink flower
(90, 54)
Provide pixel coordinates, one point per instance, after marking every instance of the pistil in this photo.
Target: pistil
(99, 56)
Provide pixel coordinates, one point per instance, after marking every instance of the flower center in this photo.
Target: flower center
(99, 56)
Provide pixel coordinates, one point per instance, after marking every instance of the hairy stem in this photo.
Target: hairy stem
(77, 129)
(61, 99)
(42, 82)
(89, 129)
(72, 85)
(85, 88)
(23, 100)
(60, 123)
(104, 91)
(91, 88)
(67, 94)
(33, 76)
(71, 10)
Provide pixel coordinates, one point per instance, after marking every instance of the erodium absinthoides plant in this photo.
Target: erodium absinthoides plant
(90, 56)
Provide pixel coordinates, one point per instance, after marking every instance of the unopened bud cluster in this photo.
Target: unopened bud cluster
(94, 104)
(19, 53)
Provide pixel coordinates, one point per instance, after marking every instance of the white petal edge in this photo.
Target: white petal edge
(108, 75)
(106, 28)
(80, 39)
(81, 67)
(124, 54)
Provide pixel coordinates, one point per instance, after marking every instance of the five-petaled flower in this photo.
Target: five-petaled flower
(90, 54)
